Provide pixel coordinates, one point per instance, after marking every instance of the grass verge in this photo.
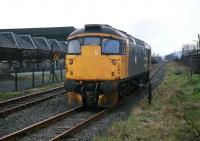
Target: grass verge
(173, 116)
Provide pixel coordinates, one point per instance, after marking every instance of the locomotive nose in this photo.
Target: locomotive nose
(92, 65)
(91, 62)
(91, 51)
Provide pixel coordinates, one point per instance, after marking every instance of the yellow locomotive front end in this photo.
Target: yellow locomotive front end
(95, 62)
(95, 59)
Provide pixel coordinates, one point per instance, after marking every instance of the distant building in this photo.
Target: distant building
(188, 48)
(173, 56)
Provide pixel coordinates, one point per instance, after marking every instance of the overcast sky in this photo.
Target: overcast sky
(164, 24)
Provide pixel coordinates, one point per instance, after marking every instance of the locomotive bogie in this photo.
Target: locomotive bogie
(105, 100)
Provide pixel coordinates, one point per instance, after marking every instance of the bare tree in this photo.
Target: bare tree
(189, 72)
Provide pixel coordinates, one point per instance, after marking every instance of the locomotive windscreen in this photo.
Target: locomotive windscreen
(74, 46)
(108, 45)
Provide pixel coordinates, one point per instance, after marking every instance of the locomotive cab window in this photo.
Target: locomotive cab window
(110, 46)
(74, 46)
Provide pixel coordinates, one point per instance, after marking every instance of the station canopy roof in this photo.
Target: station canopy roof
(8, 40)
(54, 45)
(25, 42)
(58, 33)
(63, 45)
(41, 43)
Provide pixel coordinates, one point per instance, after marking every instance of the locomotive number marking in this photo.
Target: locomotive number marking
(96, 52)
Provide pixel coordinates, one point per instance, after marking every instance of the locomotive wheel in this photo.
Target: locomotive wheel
(96, 96)
(93, 98)
(121, 94)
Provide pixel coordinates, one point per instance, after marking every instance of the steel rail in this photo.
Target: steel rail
(20, 103)
(38, 125)
(82, 124)
(73, 129)
(78, 127)
(26, 105)
(28, 96)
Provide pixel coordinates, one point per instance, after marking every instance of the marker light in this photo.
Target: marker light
(70, 61)
(114, 62)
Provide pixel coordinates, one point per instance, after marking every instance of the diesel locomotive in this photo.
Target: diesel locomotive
(104, 65)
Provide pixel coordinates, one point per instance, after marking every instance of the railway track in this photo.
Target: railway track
(65, 124)
(16, 104)
(56, 127)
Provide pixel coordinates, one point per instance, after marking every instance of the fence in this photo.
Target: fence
(35, 77)
(192, 60)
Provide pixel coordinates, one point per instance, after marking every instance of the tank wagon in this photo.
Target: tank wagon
(104, 65)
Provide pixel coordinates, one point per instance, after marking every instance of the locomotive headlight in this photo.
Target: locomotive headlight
(114, 62)
(70, 61)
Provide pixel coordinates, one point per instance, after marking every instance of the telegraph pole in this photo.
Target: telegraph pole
(52, 67)
(199, 43)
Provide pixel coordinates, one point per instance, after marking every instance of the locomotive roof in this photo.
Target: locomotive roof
(93, 28)
(101, 28)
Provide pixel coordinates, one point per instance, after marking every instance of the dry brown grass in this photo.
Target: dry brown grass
(164, 120)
